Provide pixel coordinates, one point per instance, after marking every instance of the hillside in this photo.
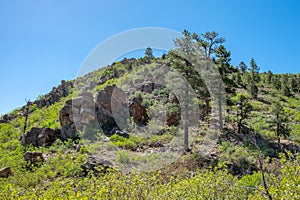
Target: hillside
(120, 132)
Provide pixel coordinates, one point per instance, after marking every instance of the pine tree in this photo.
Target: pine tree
(209, 41)
(239, 79)
(203, 45)
(149, 54)
(285, 90)
(254, 71)
(243, 67)
(276, 82)
(223, 60)
(294, 84)
(253, 90)
(185, 44)
(280, 121)
(244, 109)
(269, 77)
(251, 86)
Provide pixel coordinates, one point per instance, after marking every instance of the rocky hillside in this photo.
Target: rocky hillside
(119, 133)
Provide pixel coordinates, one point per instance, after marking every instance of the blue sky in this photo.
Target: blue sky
(43, 42)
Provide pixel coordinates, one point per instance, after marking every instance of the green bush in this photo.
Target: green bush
(123, 157)
(124, 143)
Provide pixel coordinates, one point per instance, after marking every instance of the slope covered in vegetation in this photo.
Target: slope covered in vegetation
(255, 157)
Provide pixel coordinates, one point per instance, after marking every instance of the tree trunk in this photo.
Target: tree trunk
(206, 106)
(186, 136)
(239, 128)
(26, 113)
(277, 132)
(185, 112)
(220, 113)
(264, 179)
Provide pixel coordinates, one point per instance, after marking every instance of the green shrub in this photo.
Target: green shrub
(124, 143)
(123, 157)
(110, 146)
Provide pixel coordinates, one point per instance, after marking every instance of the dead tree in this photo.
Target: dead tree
(26, 113)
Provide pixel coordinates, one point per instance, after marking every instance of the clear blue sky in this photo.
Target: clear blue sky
(43, 42)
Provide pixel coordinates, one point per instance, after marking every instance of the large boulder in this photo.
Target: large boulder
(65, 114)
(5, 172)
(68, 128)
(77, 114)
(110, 104)
(40, 137)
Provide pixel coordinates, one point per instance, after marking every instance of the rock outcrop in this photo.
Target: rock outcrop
(68, 128)
(83, 112)
(40, 137)
(55, 94)
(110, 108)
(110, 104)
(76, 115)
(5, 172)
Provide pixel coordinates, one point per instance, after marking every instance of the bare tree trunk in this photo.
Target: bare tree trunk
(26, 113)
(261, 168)
(185, 112)
(220, 113)
(264, 179)
(206, 106)
(277, 132)
(186, 136)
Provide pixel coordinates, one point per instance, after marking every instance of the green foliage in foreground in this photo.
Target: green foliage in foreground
(206, 184)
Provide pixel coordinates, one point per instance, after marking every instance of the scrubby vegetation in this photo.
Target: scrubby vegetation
(256, 156)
